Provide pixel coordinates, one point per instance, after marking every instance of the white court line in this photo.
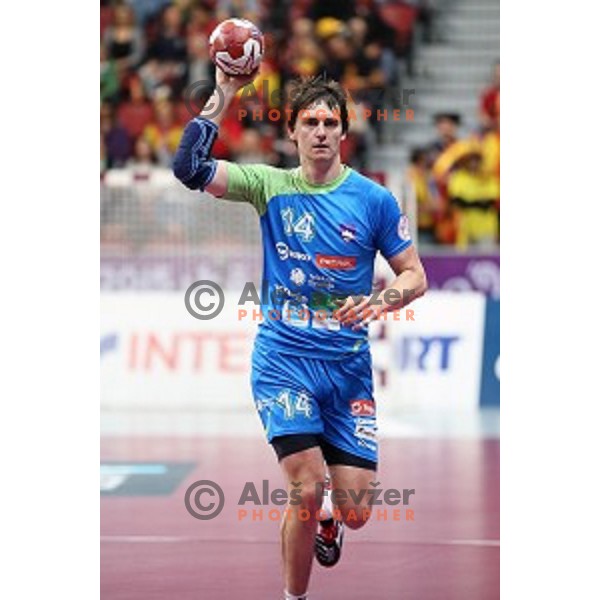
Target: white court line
(495, 543)
(171, 539)
(145, 539)
(482, 424)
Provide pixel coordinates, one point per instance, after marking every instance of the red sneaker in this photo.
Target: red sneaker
(328, 542)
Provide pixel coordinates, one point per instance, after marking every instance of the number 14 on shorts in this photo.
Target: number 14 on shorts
(294, 403)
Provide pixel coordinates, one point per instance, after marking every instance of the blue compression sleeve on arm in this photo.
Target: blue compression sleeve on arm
(192, 164)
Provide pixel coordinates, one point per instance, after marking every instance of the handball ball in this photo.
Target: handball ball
(236, 46)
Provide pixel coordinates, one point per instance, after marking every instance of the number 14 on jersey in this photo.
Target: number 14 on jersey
(303, 227)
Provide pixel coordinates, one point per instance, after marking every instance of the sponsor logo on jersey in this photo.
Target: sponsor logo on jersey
(320, 282)
(284, 253)
(348, 232)
(362, 408)
(344, 263)
(404, 228)
(297, 276)
(282, 293)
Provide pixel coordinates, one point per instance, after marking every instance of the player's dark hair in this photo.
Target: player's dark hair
(307, 92)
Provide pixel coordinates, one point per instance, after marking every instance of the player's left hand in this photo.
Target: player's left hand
(359, 311)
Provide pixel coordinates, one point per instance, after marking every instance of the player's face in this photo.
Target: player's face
(318, 133)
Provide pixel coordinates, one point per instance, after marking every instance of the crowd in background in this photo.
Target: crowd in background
(457, 180)
(153, 52)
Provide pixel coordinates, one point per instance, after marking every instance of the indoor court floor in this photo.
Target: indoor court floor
(152, 548)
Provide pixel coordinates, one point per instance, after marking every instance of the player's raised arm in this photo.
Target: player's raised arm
(193, 164)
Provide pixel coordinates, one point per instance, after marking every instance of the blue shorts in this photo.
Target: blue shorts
(329, 398)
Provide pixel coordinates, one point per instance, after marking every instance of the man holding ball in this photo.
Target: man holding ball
(322, 226)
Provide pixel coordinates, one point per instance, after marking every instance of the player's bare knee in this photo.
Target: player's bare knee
(307, 491)
(307, 496)
(305, 488)
(355, 516)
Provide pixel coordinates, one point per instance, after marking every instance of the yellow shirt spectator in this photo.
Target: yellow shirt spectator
(474, 194)
(156, 137)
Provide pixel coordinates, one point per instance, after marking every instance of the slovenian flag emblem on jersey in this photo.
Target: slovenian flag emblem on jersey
(348, 232)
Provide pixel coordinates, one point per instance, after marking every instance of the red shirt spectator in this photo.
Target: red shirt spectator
(202, 22)
(137, 112)
(230, 135)
(490, 100)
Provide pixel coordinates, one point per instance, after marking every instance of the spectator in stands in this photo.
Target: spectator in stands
(302, 55)
(490, 142)
(401, 17)
(177, 55)
(202, 20)
(491, 148)
(166, 61)
(428, 207)
(443, 149)
(375, 47)
(124, 40)
(169, 45)
(303, 28)
(446, 125)
(339, 56)
(143, 154)
(109, 77)
(444, 154)
(163, 133)
(136, 112)
(146, 9)
(252, 149)
(243, 9)
(358, 30)
(199, 64)
(359, 73)
(200, 25)
(473, 197)
(377, 30)
(117, 144)
(489, 102)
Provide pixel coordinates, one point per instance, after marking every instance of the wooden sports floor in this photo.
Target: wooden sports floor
(152, 548)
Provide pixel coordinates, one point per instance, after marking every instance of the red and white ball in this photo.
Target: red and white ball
(236, 46)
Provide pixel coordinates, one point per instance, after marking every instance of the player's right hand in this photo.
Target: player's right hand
(235, 82)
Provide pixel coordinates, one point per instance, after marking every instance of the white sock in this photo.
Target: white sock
(326, 511)
(289, 596)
